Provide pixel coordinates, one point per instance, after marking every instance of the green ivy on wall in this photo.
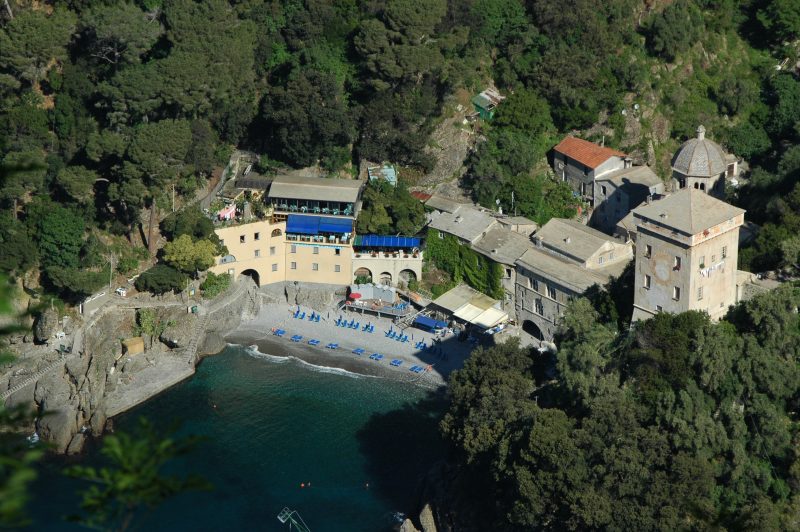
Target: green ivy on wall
(463, 264)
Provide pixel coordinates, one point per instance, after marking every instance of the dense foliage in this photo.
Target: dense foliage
(389, 210)
(108, 108)
(678, 424)
(463, 264)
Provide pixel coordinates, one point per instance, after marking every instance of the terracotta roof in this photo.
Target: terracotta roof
(585, 152)
(422, 196)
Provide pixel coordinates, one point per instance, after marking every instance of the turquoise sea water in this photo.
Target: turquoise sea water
(363, 443)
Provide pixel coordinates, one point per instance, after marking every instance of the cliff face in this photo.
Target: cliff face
(74, 399)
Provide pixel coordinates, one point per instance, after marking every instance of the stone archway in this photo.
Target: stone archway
(363, 273)
(253, 274)
(531, 328)
(276, 232)
(407, 276)
(386, 278)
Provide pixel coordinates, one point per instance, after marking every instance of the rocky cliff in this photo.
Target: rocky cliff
(73, 398)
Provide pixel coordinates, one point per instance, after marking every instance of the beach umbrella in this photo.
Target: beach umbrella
(355, 295)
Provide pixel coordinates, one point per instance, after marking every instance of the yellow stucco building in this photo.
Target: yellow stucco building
(309, 236)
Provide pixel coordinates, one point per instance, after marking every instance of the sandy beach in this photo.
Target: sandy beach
(448, 355)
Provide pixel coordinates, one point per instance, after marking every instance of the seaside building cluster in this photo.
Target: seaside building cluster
(681, 236)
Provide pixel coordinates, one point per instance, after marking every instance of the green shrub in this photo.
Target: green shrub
(215, 284)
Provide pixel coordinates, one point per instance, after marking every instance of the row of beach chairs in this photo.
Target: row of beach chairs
(358, 351)
(396, 335)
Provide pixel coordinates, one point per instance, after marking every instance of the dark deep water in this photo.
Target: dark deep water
(279, 423)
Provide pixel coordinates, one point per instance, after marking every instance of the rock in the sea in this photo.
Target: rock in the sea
(76, 444)
(46, 325)
(58, 427)
(426, 519)
(408, 526)
(98, 421)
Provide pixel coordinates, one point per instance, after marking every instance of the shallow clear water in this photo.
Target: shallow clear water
(363, 443)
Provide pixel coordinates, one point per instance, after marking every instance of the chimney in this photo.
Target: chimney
(538, 241)
(459, 218)
(701, 133)
(567, 240)
(649, 199)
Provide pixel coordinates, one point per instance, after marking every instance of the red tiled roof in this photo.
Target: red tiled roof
(585, 152)
(423, 197)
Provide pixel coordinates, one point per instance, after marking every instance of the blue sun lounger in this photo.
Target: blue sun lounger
(359, 351)
(389, 333)
(317, 318)
(332, 346)
(413, 368)
(313, 342)
(418, 369)
(296, 338)
(376, 356)
(396, 362)
(279, 332)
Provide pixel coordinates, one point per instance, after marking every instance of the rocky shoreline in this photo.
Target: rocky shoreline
(89, 385)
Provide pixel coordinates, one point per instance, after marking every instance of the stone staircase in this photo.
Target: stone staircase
(33, 378)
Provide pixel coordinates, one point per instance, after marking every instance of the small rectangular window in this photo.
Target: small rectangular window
(337, 252)
(699, 293)
(315, 266)
(293, 265)
(713, 259)
(256, 236)
(676, 263)
(539, 307)
(508, 273)
(275, 267)
(601, 259)
(241, 239)
(337, 268)
(676, 293)
(724, 252)
(536, 284)
(659, 308)
(316, 250)
(258, 253)
(647, 281)
(702, 261)
(294, 248)
(648, 251)
(603, 190)
(272, 250)
(551, 292)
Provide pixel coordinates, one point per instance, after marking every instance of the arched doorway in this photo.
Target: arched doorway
(531, 328)
(386, 278)
(253, 275)
(363, 275)
(407, 276)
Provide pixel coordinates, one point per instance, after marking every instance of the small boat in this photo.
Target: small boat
(33, 439)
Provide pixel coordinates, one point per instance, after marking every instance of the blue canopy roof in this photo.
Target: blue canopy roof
(312, 225)
(335, 225)
(304, 225)
(387, 241)
(430, 323)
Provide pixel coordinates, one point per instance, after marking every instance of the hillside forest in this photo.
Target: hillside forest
(110, 109)
(114, 113)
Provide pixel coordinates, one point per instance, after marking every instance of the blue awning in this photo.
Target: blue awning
(380, 241)
(430, 323)
(304, 225)
(335, 225)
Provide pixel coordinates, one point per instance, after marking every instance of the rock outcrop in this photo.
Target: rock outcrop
(73, 402)
(46, 325)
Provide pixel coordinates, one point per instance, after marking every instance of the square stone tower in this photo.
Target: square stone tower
(686, 253)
